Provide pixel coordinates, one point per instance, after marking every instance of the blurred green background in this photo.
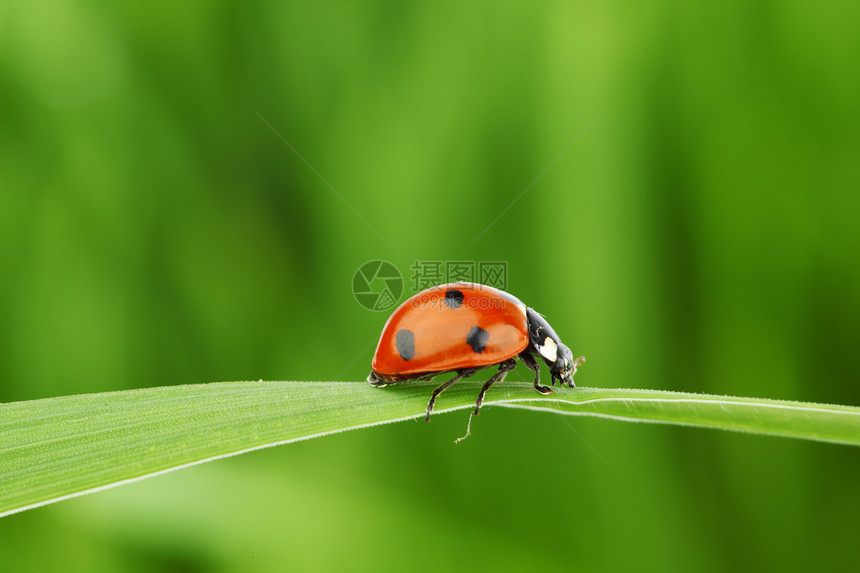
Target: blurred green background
(701, 236)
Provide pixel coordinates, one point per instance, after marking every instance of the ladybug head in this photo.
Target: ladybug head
(544, 341)
(564, 367)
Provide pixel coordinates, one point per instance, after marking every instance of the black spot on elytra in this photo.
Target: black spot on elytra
(405, 342)
(453, 298)
(477, 339)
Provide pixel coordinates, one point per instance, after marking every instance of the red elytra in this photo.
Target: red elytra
(464, 327)
(440, 326)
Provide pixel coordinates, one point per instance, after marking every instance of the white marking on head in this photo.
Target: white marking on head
(549, 350)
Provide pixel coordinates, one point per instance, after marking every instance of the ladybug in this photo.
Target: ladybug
(462, 328)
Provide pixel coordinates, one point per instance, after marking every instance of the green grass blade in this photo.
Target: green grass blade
(58, 448)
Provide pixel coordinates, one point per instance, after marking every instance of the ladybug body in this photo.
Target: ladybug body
(462, 328)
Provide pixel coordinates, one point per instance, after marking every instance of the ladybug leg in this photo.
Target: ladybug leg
(504, 368)
(533, 365)
(460, 375)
